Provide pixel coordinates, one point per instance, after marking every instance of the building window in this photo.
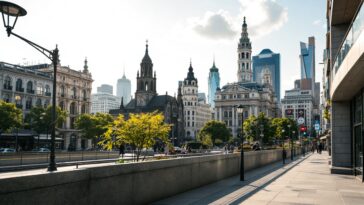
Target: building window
(247, 55)
(243, 55)
(19, 85)
(7, 83)
(73, 108)
(30, 87)
(28, 103)
(40, 90)
(47, 90)
(39, 102)
(83, 109)
(225, 114)
(74, 92)
(193, 112)
(230, 113)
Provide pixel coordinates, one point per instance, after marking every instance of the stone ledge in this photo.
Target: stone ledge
(341, 170)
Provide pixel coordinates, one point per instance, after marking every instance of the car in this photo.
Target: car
(180, 150)
(7, 150)
(43, 149)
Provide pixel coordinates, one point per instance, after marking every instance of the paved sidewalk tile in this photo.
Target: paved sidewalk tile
(304, 181)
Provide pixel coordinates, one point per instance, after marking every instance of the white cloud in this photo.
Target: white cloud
(317, 22)
(263, 17)
(215, 25)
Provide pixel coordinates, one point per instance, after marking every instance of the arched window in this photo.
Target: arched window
(28, 103)
(39, 89)
(47, 90)
(7, 83)
(247, 55)
(62, 91)
(83, 109)
(84, 95)
(243, 66)
(30, 87)
(247, 66)
(242, 55)
(74, 92)
(19, 85)
(146, 86)
(73, 108)
(46, 103)
(61, 105)
(38, 103)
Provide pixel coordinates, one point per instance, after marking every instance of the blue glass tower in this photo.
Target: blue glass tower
(307, 59)
(271, 61)
(214, 83)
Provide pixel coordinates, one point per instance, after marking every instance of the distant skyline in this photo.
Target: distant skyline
(113, 36)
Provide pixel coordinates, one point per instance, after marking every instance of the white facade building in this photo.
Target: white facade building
(196, 111)
(104, 102)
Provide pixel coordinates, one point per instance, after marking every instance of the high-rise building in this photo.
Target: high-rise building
(345, 85)
(213, 84)
(103, 101)
(255, 96)
(197, 112)
(268, 60)
(123, 89)
(307, 60)
(105, 88)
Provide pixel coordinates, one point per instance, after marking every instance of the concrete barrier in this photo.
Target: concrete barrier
(135, 183)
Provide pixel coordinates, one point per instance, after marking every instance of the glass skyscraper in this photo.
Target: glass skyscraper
(123, 89)
(307, 58)
(214, 83)
(271, 61)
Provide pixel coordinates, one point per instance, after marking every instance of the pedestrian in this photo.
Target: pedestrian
(225, 149)
(122, 150)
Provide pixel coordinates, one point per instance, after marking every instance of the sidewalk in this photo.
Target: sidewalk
(304, 181)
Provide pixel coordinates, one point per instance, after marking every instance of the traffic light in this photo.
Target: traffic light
(303, 128)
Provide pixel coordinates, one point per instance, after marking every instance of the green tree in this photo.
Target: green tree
(10, 116)
(93, 126)
(216, 130)
(258, 129)
(40, 119)
(140, 130)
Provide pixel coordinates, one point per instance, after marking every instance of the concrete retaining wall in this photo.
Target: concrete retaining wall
(136, 183)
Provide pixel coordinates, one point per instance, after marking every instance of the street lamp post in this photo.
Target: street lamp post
(283, 150)
(12, 10)
(293, 133)
(240, 109)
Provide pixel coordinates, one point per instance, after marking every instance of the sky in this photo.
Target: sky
(112, 35)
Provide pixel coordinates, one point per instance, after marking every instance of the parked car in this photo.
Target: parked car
(180, 150)
(7, 150)
(43, 149)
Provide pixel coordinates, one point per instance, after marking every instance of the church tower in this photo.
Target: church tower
(146, 82)
(245, 73)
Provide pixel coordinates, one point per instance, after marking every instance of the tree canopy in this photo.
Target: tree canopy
(215, 130)
(92, 126)
(140, 130)
(40, 118)
(10, 116)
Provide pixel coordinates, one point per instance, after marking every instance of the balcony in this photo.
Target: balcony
(8, 87)
(352, 35)
(30, 91)
(19, 90)
(48, 94)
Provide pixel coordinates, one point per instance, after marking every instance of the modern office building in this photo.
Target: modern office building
(213, 84)
(268, 60)
(255, 96)
(103, 101)
(345, 74)
(123, 89)
(196, 111)
(105, 88)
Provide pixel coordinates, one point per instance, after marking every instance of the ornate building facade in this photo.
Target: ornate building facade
(255, 96)
(196, 111)
(73, 96)
(147, 100)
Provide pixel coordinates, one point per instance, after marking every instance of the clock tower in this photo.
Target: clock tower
(146, 82)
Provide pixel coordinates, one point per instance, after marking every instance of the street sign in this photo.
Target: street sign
(317, 127)
(301, 120)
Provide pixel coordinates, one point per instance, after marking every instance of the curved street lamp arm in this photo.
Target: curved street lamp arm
(44, 51)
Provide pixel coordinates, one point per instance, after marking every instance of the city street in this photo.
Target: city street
(305, 181)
